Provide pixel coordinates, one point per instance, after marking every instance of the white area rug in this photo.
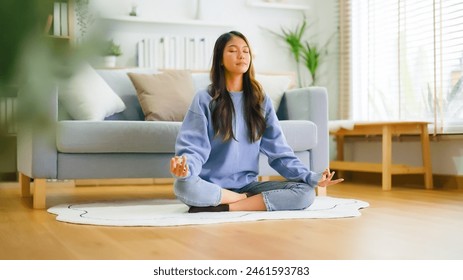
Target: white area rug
(174, 213)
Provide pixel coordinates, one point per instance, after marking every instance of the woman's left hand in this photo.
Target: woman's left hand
(327, 177)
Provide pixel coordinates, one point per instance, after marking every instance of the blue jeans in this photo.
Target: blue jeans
(278, 195)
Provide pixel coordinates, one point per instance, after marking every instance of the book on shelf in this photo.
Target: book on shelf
(56, 19)
(201, 54)
(140, 54)
(173, 52)
(190, 53)
(60, 19)
(64, 19)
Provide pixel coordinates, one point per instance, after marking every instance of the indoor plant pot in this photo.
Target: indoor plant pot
(111, 52)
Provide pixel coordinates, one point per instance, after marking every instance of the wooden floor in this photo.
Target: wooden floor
(405, 223)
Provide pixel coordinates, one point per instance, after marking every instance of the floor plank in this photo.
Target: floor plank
(405, 223)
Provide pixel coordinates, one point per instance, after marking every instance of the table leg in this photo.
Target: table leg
(426, 154)
(387, 158)
(340, 152)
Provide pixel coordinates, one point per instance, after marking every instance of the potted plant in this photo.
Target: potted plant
(294, 41)
(111, 52)
(304, 52)
(311, 58)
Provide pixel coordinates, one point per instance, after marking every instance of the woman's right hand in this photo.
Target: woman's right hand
(178, 166)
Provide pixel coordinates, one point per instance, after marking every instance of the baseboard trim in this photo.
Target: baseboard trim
(8, 176)
(440, 181)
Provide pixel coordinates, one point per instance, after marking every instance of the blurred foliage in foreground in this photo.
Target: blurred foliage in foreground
(32, 62)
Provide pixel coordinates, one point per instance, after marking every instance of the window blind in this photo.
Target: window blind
(405, 61)
(345, 49)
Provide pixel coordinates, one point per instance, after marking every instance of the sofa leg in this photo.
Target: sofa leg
(39, 197)
(25, 183)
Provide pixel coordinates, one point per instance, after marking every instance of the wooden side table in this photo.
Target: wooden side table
(387, 130)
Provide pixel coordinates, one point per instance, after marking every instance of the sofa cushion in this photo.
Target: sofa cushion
(88, 97)
(120, 82)
(151, 137)
(116, 136)
(301, 135)
(274, 86)
(166, 96)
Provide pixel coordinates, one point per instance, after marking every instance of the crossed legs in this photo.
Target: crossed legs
(256, 196)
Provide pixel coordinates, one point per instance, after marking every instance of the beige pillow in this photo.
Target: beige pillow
(166, 96)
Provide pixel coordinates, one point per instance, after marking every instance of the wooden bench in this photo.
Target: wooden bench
(387, 130)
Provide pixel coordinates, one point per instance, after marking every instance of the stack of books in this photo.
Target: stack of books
(59, 20)
(174, 52)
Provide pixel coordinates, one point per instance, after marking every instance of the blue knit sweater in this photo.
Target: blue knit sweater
(234, 163)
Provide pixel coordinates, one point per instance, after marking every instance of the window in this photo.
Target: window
(405, 61)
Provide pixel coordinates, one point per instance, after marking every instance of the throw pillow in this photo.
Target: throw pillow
(88, 97)
(166, 96)
(274, 86)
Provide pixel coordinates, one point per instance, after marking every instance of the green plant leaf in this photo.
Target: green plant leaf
(303, 52)
(293, 39)
(311, 59)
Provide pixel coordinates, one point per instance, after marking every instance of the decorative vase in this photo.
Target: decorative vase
(110, 61)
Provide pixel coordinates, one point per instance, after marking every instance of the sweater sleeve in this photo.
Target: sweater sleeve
(192, 140)
(280, 155)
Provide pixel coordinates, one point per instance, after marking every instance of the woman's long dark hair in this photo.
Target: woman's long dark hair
(222, 104)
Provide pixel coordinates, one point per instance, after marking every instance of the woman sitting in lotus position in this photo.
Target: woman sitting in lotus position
(224, 130)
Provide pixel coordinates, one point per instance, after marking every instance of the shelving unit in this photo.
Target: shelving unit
(277, 5)
(192, 22)
(62, 39)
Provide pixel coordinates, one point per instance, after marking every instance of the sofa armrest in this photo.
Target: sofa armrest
(310, 103)
(36, 139)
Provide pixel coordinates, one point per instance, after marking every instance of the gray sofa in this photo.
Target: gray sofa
(126, 146)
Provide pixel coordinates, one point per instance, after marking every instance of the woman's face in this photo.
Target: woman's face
(236, 56)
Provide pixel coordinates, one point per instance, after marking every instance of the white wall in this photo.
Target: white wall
(272, 54)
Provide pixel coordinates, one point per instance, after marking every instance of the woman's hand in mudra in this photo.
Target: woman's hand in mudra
(178, 166)
(327, 177)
